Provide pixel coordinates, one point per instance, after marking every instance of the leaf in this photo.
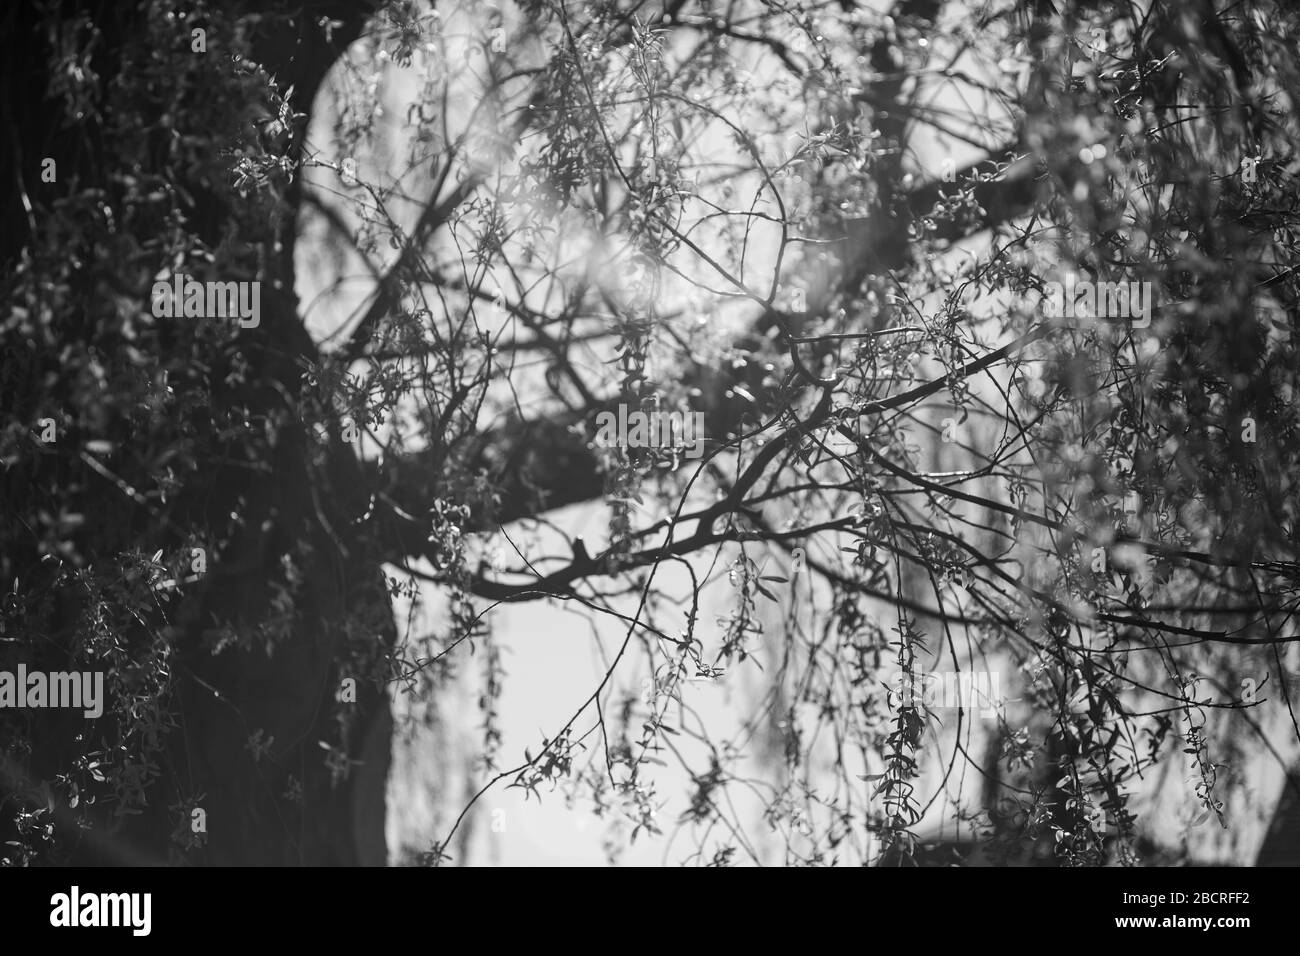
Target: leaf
(775, 577)
(765, 592)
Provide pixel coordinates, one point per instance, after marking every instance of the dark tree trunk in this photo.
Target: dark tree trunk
(253, 814)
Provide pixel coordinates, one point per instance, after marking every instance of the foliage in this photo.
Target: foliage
(740, 211)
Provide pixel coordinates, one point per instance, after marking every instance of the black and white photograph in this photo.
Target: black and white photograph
(650, 433)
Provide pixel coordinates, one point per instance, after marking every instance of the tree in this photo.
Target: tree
(986, 313)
